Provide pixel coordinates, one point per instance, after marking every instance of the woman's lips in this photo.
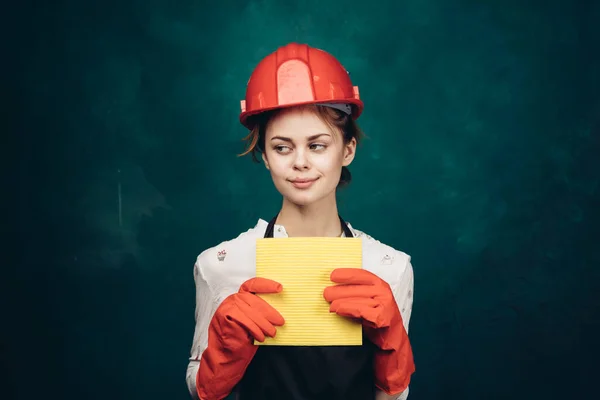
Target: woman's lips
(303, 183)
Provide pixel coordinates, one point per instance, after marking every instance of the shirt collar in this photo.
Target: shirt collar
(280, 232)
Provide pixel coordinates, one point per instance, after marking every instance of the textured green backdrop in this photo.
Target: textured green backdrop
(481, 163)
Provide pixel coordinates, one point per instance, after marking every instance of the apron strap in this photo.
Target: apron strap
(271, 227)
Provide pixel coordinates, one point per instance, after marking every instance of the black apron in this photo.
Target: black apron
(309, 373)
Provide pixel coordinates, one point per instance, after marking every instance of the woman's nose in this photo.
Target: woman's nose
(301, 160)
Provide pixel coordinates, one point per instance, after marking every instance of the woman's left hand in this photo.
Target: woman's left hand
(363, 295)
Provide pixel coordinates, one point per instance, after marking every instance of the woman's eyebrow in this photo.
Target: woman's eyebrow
(286, 139)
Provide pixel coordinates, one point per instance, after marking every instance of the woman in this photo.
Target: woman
(301, 108)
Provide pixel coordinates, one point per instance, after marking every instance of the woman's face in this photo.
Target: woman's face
(305, 157)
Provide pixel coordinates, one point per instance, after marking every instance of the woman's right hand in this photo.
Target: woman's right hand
(240, 319)
(245, 313)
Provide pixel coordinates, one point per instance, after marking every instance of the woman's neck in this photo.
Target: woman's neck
(316, 220)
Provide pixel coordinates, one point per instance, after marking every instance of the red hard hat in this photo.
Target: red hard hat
(298, 74)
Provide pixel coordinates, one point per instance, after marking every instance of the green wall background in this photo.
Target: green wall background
(481, 163)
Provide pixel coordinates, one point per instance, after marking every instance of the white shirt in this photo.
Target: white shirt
(220, 271)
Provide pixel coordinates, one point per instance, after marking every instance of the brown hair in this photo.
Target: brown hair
(335, 119)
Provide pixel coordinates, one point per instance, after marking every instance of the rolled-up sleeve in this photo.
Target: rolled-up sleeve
(204, 312)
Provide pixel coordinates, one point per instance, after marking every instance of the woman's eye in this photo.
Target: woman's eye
(282, 149)
(316, 146)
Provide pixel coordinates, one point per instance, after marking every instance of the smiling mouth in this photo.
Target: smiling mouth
(303, 180)
(303, 183)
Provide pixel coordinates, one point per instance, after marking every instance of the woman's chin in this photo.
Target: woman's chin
(302, 200)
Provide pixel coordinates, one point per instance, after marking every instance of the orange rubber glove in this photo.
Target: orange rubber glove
(241, 318)
(363, 295)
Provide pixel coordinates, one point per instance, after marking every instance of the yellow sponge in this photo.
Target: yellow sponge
(303, 266)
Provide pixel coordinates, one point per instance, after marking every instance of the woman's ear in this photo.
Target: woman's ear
(349, 152)
(264, 157)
